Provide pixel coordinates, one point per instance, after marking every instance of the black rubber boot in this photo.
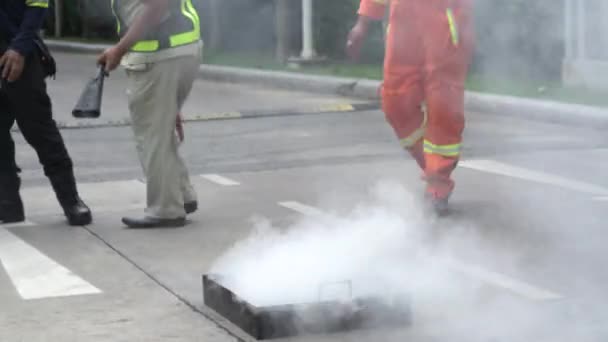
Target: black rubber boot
(11, 206)
(74, 208)
(191, 207)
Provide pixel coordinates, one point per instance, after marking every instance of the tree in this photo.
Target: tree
(282, 30)
(215, 27)
(58, 18)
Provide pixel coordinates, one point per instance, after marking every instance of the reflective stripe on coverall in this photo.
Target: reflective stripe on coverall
(428, 52)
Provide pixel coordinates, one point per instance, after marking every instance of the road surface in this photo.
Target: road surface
(523, 255)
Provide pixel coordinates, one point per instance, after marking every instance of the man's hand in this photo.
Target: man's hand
(356, 37)
(111, 58)
(179, 126)
(12, 64)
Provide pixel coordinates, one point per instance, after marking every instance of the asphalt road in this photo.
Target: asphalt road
(522, 257)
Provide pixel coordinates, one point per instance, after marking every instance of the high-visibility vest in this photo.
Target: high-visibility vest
(182, 28)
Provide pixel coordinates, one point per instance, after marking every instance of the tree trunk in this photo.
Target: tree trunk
(58, 18)
(215, 36)
(282, 30)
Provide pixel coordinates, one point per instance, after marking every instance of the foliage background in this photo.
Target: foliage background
(515, 38)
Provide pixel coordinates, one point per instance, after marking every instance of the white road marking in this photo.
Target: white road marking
(500, 280)
(221, 180)
(302, 208)
(108, 196)
(503, 169)
(18, 224)
(36, 276)
(496, 279)
(601, 199)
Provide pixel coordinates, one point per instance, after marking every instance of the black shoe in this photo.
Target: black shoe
(12, 212)
(151, 222)
(75, 210)
(11, 206)
(190, 207)
(77, 213)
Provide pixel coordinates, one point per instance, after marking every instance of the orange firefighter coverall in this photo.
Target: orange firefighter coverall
(428, 51)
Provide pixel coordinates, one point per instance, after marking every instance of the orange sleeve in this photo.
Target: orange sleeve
(374, 9)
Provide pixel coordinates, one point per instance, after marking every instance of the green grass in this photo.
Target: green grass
(83, 40)
(552, 91)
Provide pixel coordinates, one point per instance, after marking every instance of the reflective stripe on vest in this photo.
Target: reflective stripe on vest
(37, 3)
(453, 26)
(168, 35)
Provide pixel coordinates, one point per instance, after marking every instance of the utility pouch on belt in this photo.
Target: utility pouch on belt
(46, 58)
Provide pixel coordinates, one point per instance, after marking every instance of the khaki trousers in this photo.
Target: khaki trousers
(156, 93)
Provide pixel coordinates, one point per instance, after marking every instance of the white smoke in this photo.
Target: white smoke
(388, 245)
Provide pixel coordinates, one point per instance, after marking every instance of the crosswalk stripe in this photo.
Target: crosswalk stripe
(301, 208)
(495, 167)
(36, 276)
(18, 224)
(108, 196)
(221, 180)
(518, 287)
(513, 285)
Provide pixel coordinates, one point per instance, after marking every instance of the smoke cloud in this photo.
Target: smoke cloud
(387, 245)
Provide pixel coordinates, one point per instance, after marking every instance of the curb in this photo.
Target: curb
(547, 111)
(65, 46)
(323, 109)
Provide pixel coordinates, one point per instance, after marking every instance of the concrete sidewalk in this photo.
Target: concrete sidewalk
(367, 89)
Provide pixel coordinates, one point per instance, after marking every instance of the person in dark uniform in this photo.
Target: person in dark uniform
(24, 99)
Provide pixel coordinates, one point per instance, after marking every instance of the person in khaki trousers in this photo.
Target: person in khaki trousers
(160, 48)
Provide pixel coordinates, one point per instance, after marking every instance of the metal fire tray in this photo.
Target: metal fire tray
(277, 321)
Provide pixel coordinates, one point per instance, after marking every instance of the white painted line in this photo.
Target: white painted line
(496, 279)
(302, 208)
(97, 209)
(601, 199)
(498, 168)
(17, 225)
(35, 275)
(109, 196)
(221, 180)
(499, 280)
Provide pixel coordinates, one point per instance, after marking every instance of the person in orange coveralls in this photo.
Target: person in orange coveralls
(428, 52)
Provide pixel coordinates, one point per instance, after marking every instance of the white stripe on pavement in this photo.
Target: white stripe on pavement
(36, 276)
(496, 279)
(518, 287)
(221, 180)
(503, 169)
(601, 199)
(17, 225)
(107, 196)
(301, 208)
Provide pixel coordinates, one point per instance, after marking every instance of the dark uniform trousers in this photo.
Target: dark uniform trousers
(27, 103)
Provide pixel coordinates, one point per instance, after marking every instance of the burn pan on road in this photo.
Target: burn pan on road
(292, 319)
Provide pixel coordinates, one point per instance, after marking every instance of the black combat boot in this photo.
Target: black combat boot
(11, 206)
(75, 210)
